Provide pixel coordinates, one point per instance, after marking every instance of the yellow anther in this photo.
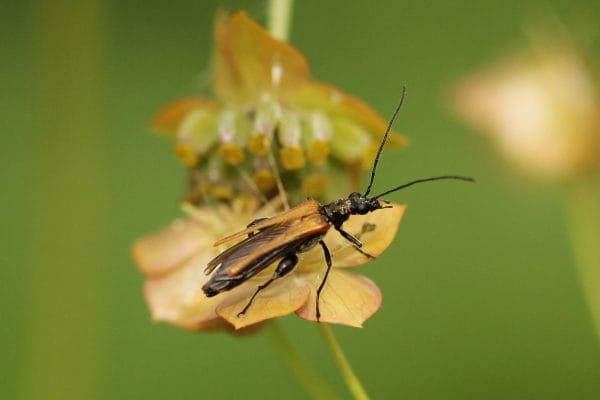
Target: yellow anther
(232, 153)
(292, 157)
(258, 144)
(187, 154)
(221, 192)
(314, 184)
(318, 151)
(264, 180)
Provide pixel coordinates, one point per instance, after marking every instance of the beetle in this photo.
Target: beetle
(282, 237)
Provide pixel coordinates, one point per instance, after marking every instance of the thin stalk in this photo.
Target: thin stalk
(279, 16)
(309, 380)
(278, 24)
(583, 220)
(344, 366)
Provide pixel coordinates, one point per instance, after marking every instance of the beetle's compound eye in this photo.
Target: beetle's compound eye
(374, 204)
(362, 208)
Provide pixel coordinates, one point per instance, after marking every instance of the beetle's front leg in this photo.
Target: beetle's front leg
(357, 243)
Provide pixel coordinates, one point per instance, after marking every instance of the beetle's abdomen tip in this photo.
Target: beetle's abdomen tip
(209, 292)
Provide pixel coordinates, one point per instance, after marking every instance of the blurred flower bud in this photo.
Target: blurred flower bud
(541, 108)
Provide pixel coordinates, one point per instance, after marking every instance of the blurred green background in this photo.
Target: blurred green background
(481, 299)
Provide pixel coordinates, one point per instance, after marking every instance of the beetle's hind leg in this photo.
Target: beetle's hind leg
(286, 265)
(328, 261)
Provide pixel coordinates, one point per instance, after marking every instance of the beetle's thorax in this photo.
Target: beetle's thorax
(338, 212)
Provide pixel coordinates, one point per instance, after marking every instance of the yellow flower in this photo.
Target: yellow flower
(271, 131)
(541, 108)
(174, 260)
(269, 115)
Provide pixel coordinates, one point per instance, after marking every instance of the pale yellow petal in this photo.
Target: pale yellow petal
(375, 230)
(170, 117)
(347, 299)
(283, 297)
(249, 63)
(178, 297)
(219, 324)
(161, 252)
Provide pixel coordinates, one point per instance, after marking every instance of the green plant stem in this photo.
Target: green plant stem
(344, 366)
(583, 218)
(279, 16)
(309, 380)
(278, 24)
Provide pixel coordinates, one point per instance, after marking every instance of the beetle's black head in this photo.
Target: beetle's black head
(338, 212)
(362, 205)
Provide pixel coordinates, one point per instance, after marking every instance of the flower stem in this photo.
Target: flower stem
(278, 24)
(583, 218)
(310, 381)
(279, 16)
(344, 366)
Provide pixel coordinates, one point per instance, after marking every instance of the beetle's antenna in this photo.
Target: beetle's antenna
(435, 178)
(387, 131)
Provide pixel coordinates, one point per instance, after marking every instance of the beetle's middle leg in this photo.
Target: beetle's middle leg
(286, 265)
(357, 243)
